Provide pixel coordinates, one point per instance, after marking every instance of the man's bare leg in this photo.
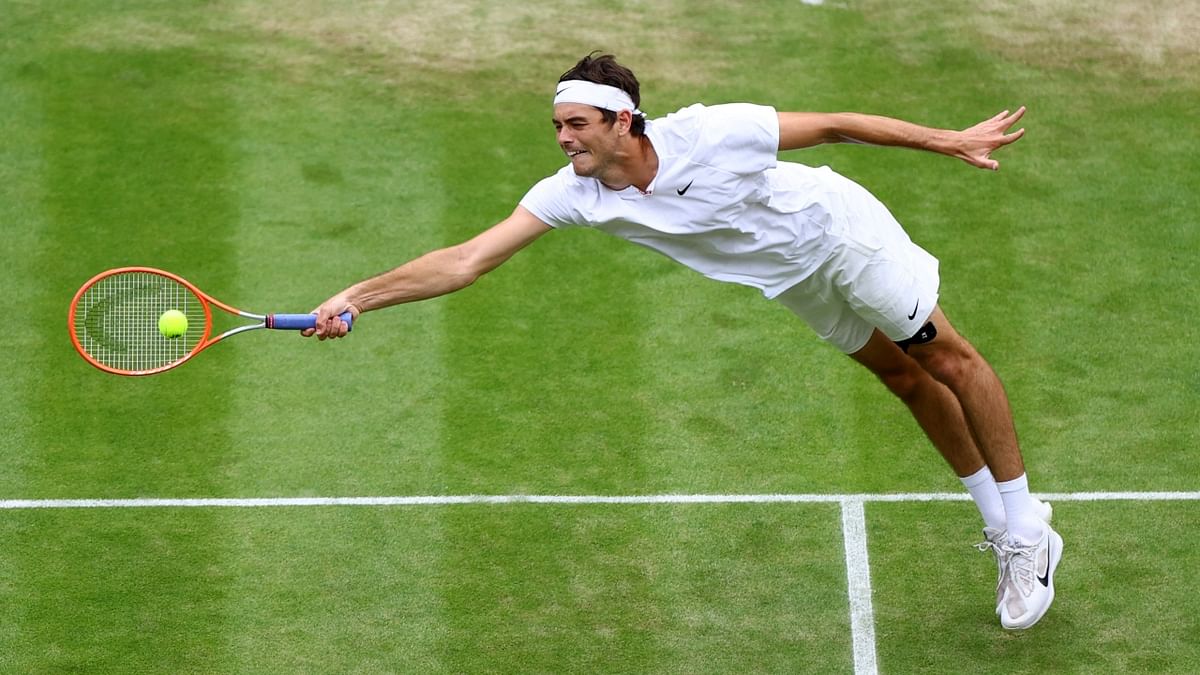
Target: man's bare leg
(934, 406)
(1033, 549)
(965, 413)
(940, 416)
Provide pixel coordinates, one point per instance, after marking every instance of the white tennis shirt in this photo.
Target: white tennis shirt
(721, 202)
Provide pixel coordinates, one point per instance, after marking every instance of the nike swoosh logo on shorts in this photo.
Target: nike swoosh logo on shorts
(914, 312)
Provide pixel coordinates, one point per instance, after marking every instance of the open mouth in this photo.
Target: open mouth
(575, 153)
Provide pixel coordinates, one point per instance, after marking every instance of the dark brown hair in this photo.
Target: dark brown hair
(604, 69)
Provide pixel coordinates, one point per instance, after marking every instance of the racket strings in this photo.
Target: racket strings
(117, 321)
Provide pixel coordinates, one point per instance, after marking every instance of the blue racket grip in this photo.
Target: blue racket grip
(301, 321)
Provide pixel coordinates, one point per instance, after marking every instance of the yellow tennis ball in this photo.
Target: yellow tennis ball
(172, 324)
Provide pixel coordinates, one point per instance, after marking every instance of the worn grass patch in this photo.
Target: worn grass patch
(404, 43)
(438, 46)
(1147, 38)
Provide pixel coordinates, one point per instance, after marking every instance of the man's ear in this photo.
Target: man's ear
(624, 121)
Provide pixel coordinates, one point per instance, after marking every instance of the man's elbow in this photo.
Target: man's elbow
(467, 266)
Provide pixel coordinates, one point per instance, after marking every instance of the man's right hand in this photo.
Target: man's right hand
(329, 325)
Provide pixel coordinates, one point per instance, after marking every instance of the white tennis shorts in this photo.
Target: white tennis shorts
(875, 277)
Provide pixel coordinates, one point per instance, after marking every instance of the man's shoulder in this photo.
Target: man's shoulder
(566, 180)
(563, 178)
(564, 184)
(698, 121)
(701, 112)
(681, 121)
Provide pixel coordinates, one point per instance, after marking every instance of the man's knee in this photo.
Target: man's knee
(900, 374)
(903, 379)
(948, 361)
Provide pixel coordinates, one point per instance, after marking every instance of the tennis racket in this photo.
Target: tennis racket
(113, 321)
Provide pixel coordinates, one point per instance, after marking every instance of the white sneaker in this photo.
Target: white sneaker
(994, 538)
(1028, 587)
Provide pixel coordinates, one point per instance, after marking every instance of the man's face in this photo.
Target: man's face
(588, 141)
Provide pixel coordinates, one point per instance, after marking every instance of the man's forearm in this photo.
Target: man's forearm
(877, 130)
(802, 130)
(435, 273)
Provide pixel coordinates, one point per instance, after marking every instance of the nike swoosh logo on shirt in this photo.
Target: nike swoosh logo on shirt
(685, 188)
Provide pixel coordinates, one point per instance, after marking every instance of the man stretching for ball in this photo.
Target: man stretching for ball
(704, 187)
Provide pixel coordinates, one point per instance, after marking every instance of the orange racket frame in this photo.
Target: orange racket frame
(205, 340)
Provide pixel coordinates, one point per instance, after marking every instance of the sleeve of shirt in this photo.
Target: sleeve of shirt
(743, 137)
(549, 202)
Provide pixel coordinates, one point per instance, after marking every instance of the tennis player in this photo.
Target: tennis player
(704, 187)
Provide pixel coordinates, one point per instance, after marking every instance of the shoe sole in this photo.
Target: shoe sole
(1055, 554)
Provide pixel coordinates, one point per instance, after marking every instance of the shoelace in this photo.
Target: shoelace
(1021, 563)
(998, 549)
(987, 545)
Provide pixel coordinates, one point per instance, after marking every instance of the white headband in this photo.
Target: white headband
(598, 95)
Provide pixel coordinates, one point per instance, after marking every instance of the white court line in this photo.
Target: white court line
(435, 500)
(858, 587)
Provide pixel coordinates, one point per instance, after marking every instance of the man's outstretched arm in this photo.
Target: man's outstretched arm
(973, 145)
(436, 273)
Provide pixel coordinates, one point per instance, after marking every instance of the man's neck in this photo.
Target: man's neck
(637, 166)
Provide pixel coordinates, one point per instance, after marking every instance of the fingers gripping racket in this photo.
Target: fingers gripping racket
(114, 321)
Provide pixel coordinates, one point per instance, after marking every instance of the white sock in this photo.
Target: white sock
(1023, 523)
(982, 487)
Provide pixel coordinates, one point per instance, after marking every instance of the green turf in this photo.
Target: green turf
(1123, 599)
(460, 589)
(274, 152)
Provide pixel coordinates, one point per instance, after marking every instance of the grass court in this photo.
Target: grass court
(274, 152)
